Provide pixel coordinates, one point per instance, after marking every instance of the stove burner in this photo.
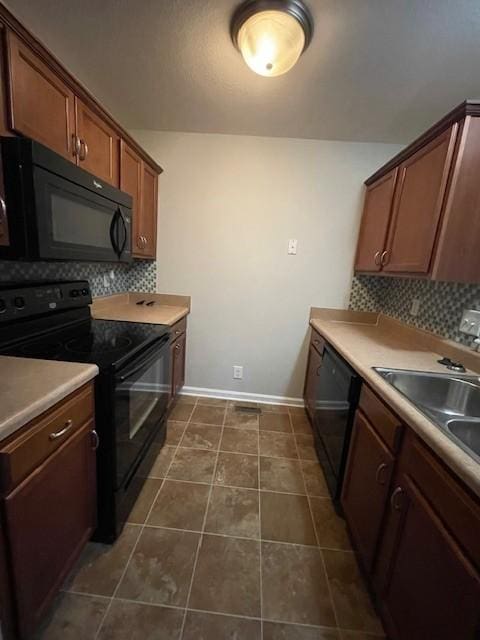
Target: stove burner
(87, 344)
(47, 350)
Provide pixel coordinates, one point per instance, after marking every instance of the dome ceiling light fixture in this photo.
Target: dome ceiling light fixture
(271, 35)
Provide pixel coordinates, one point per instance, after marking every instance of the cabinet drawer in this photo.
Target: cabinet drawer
(43, 436)
(386, 423)
(459, 512)
(317, 341)
(179, 328)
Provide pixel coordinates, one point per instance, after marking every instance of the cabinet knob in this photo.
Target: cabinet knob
(379, 473)
(376, 257)
(395, 499)
(385, 258)
(177, 346)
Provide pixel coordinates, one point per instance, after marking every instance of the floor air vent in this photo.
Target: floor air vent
(241, 408)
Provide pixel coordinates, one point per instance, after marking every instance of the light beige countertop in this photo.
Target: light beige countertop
(167, 309)
(28, 387)
(370, 340)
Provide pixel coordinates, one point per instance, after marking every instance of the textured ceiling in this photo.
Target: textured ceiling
(377, 70)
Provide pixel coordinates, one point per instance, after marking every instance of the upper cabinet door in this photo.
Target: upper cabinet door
(131, 182)
(98, 145)
(41, 104)
(419, 195)
(374, 226)
(148, 219)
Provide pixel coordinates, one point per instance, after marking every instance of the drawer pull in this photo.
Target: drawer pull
(59, 434)
(394, 502)
(177, 332)
(380, 479)
(96, 440)
(177, 346)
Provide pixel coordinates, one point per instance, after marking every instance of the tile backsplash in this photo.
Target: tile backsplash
(441, 303)
(137, 276)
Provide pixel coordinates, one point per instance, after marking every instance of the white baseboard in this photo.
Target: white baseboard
(225, 394)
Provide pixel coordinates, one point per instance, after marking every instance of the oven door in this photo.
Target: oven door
(141, 394)
(74, 223)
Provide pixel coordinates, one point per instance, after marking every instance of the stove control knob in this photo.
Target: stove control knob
(84, 292)
(74, 293)
(19, 302)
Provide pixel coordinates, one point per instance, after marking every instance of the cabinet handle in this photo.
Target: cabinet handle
(83, 150)
(376, 257)
(140, 242)
(396, 504)
(378, 474)
(75, 145)
(58, 434)
(145, 241)
(177, 346)
(316, 341)
(385, 258)
(319, 369)
(96, 439)
(3, 216)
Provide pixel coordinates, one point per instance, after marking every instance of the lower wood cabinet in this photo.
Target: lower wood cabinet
(366, 488)
(415, 528)
(178, 357)
(427, 576)
(48, 516)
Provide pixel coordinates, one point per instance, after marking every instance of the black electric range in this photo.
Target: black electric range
(52, 321)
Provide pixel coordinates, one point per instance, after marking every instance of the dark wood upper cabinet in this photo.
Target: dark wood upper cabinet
(131, 182)
(148, 215)
(417, 206)
(98, 144)
(42, 106)
(366, 487)
(375, 220)
(457, 251)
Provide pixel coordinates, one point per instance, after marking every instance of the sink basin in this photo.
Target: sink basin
(443, 393)
(451, 401)
(468, 432)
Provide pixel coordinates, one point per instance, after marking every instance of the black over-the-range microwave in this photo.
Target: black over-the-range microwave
(56, 211)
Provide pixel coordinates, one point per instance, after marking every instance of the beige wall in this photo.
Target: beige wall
(228, 205)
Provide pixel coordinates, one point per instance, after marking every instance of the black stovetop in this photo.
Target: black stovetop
(106, 343)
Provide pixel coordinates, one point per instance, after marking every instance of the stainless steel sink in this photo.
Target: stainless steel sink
(468, 432)
(451, 401)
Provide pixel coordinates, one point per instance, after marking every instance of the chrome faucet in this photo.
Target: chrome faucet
(476, 344)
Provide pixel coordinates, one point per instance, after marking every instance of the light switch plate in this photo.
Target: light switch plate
(470, 323)
(292, 247)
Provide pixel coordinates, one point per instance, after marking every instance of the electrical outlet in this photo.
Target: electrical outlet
(470, 323)
(106, 281)
(415, 307)
(237, 372)
(292, 247)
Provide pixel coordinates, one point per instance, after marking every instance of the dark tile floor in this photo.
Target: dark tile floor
(233, 537)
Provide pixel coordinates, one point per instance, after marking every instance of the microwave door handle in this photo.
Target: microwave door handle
(153, 351)
(121, 219)
(113, 229)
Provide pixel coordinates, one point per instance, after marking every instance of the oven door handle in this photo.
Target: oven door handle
(113, 231)
(146, 358)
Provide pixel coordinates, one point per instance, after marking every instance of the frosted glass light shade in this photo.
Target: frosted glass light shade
(271, 42)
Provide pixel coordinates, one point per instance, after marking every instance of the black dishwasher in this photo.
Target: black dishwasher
(336, 399)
